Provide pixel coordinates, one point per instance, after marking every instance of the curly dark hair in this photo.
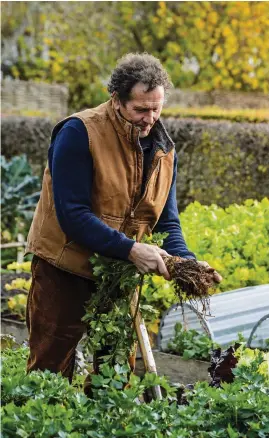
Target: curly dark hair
(137, 67)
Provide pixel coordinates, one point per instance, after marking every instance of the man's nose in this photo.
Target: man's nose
(149, 117)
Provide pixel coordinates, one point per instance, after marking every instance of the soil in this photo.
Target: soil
(192, 281)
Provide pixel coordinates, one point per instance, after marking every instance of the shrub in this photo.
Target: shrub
(34, 134)
(217, 113)
(220, 162)
(235, 240)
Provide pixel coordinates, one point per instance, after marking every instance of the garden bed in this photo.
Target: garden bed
(176, 369)
(42, 404)
(9, 326)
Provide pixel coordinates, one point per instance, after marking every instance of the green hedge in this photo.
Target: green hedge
(219, 162)
(217, 113)
(27, 135)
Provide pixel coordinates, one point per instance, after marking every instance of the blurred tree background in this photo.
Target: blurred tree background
(203, 45)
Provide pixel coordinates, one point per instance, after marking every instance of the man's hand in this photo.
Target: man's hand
(147, 258)
(216, 276)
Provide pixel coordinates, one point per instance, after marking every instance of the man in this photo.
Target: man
(111, 175)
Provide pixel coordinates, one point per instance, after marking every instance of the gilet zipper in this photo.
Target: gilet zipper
(134, 208)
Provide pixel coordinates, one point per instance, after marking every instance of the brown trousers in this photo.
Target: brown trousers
(55, 307)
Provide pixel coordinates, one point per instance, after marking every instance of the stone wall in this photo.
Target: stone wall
(221, 98)
(20, 97)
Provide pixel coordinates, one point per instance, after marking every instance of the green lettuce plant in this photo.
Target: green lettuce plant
(42, 404)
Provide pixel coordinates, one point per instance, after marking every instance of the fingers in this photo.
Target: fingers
(216, 276)
(162, 268)
(205, 264)
(162, 252)
(148, 259)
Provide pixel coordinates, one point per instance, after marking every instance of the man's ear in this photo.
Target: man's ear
(116, 100)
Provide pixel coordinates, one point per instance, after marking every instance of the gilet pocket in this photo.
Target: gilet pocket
(112, 221)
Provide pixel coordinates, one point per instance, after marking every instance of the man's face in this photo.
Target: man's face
(144, 107)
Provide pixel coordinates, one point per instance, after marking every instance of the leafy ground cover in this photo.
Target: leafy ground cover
(190, 344)
(44, 405)
(234, 240)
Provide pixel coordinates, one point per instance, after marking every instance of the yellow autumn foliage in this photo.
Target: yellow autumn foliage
(17, 305)
(83, 40)
(23, 267)
(19, 283)
(214, 112)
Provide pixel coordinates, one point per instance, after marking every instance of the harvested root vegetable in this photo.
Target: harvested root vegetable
(190, 276)
(192, 280)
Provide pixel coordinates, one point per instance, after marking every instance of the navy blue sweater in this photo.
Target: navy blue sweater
(71, 167)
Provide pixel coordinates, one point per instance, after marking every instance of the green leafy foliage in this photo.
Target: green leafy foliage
(108, 318)
(235, 240)
(107, 312)
(44, 404)
(20, 193)
(158, 292)
(190, 344)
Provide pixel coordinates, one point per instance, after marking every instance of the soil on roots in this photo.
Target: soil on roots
(192, 281)
(190, 276)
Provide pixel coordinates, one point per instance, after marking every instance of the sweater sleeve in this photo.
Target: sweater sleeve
(169, 222)
(71, 167)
